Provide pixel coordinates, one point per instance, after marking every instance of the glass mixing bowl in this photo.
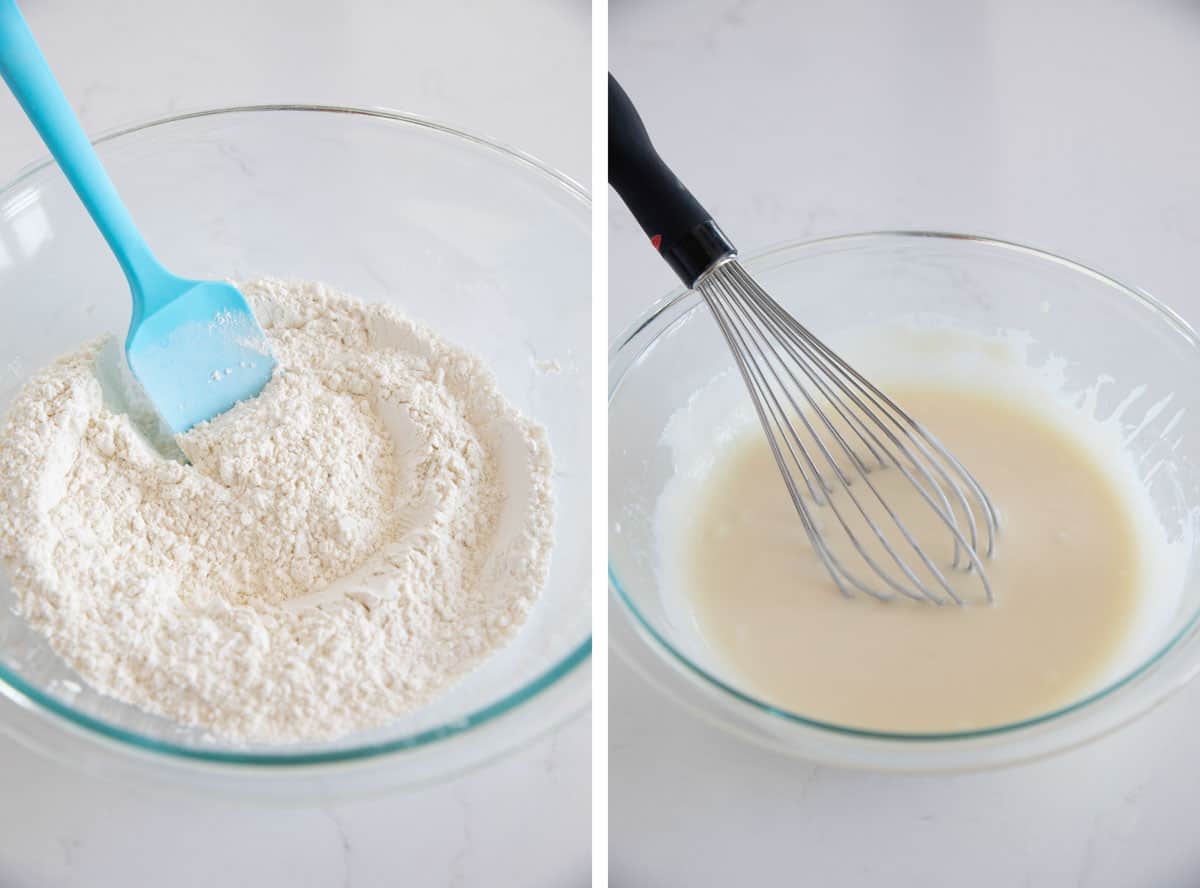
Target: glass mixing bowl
(1100, 326)
(484, 244)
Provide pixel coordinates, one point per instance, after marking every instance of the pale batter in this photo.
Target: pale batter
(1068, 579)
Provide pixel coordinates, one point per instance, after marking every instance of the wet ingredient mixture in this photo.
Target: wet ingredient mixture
(1066, 579)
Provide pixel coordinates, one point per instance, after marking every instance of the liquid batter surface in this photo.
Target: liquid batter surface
(1067, 578)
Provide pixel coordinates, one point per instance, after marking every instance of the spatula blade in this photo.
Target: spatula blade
(200, 354)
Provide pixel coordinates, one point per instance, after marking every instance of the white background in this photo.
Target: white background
(516, 71)
(1074, 127)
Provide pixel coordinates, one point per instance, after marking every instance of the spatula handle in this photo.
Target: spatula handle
(27, 74)
(682, 231)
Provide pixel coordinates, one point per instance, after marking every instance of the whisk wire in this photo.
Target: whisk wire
(750, 335)
(771, 350)
(908, 427)
(833, 565)
(870, 440)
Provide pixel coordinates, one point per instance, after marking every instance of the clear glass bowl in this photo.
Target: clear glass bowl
(1099, 325)
(484, 244)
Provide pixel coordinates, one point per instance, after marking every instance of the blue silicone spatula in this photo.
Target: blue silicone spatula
(194, 346)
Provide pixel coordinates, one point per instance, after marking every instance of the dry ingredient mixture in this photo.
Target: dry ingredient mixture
(339, 551)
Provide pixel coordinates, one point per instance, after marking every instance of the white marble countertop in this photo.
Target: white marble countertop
(524, 821)
(1069, 126)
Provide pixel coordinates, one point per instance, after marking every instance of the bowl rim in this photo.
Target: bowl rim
(675, 299)
(135, 741)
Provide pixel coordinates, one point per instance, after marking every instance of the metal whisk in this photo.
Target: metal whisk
(829, 429)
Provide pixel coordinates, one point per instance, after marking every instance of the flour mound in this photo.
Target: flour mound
(340, 550)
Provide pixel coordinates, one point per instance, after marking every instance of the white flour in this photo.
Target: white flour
(340, 550)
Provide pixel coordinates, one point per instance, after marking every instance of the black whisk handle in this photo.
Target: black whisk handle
(682, 231)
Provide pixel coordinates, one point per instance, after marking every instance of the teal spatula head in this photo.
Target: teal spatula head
(194, 346)
(199, 352)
